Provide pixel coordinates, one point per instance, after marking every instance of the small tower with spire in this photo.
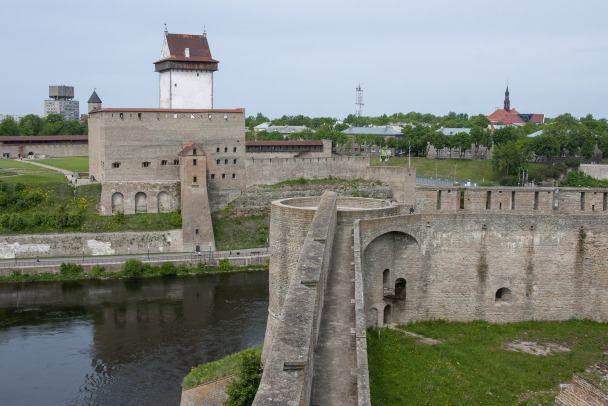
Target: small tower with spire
(507, 101)
(94, 102)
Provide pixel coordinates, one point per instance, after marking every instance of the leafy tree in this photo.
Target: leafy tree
(463, 141)
(30, 124)
(546, 145)
(506, 134)
(508, 157)
(8, 127)
(241, 392)
(438, 140)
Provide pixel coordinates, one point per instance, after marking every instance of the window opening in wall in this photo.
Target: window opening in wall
(582, 201)
(225, 149)
(121, 116)
(139, 115)
(217, 149)
(536, 195)
(387, 315)
(116, 165)
(488, 200)
(605, 201)
(234, 149)
(223, 176)
(225, 161)
(512, 200)
(500, 206)
(194, 162)
(194, 179)
(439, 200)
(386, 282)
(234, 161)
(176, 162)
(145, 164)
(400, 285)
(163, 162)
(213, 176)
(462, 198)
(175, 85)
(503, 295)
(593, 207)
(196, 231)
(217, 162)
(193, 151)
(233, 175)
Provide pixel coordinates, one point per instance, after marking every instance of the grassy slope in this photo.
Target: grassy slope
(241, 233)
(469, 367)
(476, 171)
(72, 163)
(24, 166)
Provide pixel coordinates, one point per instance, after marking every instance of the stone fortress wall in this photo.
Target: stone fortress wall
(497, 254)
(51, 149)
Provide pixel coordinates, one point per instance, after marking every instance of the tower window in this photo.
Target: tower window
(196, 231)
(145, 164)
(176, 162)
(234, 149)
(217, 162)
(213, 176)
(225, 149)
(139, 115)
(233, 175)
(194, 162)
(194, 179)
(225, 162)
(223, 176)
(235, 161)
(116, 165)
(163, 162)
(217, 149)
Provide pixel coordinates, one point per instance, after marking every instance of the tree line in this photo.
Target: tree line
(32, 125)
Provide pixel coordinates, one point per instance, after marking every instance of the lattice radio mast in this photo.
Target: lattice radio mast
(359, 100)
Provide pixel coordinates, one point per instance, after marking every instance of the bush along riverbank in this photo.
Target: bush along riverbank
(132, 268)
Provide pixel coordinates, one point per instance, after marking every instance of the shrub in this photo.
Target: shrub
(119, 217)
(132, 267)
(96, 271)
(241, 392)
(70, 269)
(225, 265)
(572, 162)
(510, 180)
(167, 268)
(176, 218)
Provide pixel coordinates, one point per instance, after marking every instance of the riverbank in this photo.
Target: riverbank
(134, 268)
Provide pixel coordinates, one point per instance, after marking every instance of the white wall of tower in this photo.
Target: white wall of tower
(186, 89)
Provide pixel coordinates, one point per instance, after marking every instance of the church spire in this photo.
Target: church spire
(507, 101)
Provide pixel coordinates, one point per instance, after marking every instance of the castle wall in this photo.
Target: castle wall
(401, 180)
(136, 197)
(71, 244)
(597, 171)
(55, 149)
(454, 265)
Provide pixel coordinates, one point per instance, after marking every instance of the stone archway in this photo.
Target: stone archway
(164, 202)
(387, 319)
(400, 288)
(118, 202)
(372, 317)
(141, 203)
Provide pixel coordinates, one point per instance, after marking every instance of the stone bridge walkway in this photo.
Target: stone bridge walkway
(334, 356)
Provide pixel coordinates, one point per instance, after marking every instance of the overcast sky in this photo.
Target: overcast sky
(307, 57)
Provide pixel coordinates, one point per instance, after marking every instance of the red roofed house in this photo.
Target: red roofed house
(507, 115)
(186, 72)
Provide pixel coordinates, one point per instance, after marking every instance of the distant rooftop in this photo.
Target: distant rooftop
(377, 130)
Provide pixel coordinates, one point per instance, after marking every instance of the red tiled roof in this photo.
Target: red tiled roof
(35, 138)
(499, 114)
(197, 45)
(186, 148)
(537, 118)
(282, 143)
(512, 119)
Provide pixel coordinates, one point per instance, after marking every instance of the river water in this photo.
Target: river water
(122, 342)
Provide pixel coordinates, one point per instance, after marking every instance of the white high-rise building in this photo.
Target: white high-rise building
(186, 72)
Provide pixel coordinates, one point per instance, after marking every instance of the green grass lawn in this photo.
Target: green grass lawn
(469, 367)
(31, 179)
(71, 163)
(475, 171)
(14, 164)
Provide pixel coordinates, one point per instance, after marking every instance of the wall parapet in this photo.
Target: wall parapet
(288, 370)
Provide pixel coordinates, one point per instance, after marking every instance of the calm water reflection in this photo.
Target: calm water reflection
(122, 342)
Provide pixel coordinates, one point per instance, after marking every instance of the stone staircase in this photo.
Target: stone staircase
(334, 357)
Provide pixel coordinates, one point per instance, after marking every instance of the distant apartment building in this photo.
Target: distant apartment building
(61, 101)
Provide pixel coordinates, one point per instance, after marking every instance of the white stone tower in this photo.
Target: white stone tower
(186, 72)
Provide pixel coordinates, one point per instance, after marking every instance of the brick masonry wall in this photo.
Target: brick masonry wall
(454, 264)
(55, 149)
(71, 244)
(581, 393)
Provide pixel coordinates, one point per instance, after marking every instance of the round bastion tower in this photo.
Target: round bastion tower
(186, 72)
